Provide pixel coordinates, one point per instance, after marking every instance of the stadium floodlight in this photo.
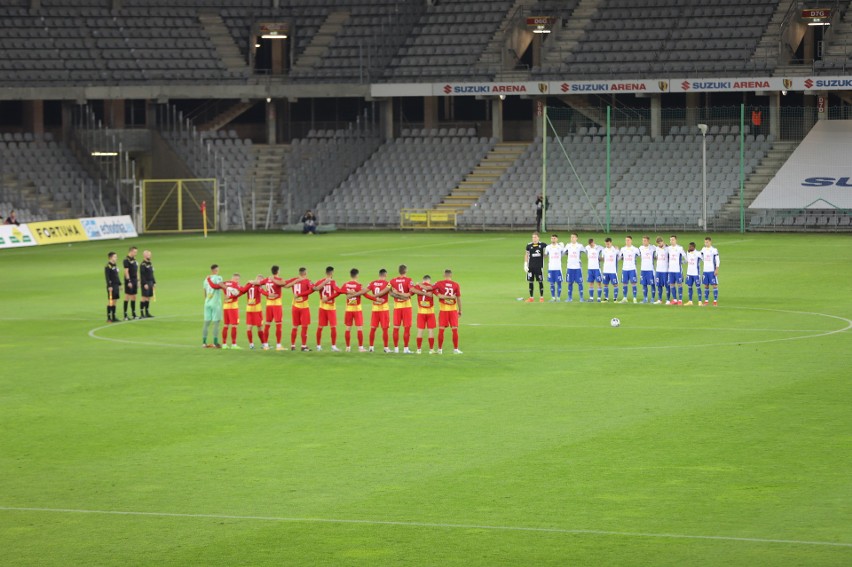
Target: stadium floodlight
(104, 154)
(274, 36)
(703, 128)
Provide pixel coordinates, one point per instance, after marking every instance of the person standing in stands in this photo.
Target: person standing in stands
(540, 207)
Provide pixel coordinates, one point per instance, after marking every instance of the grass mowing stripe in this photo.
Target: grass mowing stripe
(438, 525)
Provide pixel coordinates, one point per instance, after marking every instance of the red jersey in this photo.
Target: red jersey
(328, 293)
(450, 288)
(376, 287)
(301, 290)
(401, 284)
(253, 295)
(272, 291)
(425, 303)
(232, 292)
(354, 303)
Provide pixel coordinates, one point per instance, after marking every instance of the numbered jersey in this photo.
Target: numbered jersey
(352, 303)
(450, 289)
(272, 291)
(232, 292)
(253, 295)
(401, 284)
(376, 287)
(301, 290)
(425, 303)
(328, 293)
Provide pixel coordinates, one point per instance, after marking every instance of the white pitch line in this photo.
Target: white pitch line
(437, 525)
(93, 334)
(372, 250)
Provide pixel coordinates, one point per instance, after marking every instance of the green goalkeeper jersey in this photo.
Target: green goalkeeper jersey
(213, 297)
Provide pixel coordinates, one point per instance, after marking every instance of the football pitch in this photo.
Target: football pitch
(687, 436)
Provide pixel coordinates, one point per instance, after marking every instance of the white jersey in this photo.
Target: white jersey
(554, 256)
(692, 259)
(594, 256)
(573, 252)
(676, 256)
(628, 256)
(610, 258)
(647, 255)
(662, 259)
(710, 258)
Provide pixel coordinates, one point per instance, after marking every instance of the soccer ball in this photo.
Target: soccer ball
(615, 322)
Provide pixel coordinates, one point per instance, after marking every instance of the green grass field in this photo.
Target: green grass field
(711, 436)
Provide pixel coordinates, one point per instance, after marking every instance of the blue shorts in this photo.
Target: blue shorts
(693, 280)
(574, 276)
(647, 278)
(662, 278)
(610, 279)
(594, 276)
(554, 276)
(628, 276)
(709, 278)
(675, 278)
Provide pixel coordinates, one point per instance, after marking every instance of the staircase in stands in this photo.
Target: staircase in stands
(556, 49)
(224, 44)
(482, 178)
(321, 41)
(267, 177)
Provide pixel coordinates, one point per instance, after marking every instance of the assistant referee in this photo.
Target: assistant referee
(533, 266)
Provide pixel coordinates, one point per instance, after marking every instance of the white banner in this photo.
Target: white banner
(13, 236)
(109, 228)
(818, 175)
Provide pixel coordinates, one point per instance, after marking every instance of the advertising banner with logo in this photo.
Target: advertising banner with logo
(628, 86)
(12, 236)
(109, 228)
(58, 231)
(818, 175)
(490, 89)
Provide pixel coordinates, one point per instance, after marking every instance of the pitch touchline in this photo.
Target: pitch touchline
(437, 525)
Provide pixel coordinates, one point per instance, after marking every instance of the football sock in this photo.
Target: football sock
(347, 335)
(606, 293)
(715, 294)
(125, 308)
(615, 292)
(591, 293)
(635, 291)
(558, 289)
(204, 332)
(319, 336)
(406, 336)
(360, 338)
(372, 336)
(541, 289)
(571, 292)
(431, 342)
(333, 336)
(680, 293)
(250, 335)
(385, 337)
(109, 313)
(600, 292)
(455, 338)
(441, 338)
(625, 290)
(215, 332)
(278, 332)
(690, 293)
(293, 334)
(706, 293)
(419, 342)
(553, 291)
(234, 335)
(580, 289)
(304, 336)
(133, 307)
(225, 334)
(396, 336)
(531, 289)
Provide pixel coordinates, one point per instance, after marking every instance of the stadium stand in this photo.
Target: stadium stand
(42, 179)
(410, 172)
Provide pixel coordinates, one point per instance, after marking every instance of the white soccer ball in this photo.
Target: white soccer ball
(615, 322)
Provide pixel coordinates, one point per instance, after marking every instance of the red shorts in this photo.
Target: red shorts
(327, 318)
(354, 318)
(301, 316)
(448, 319)
(402, 317)
(254, 318)
(274, 313)
(231, 316)
(425, 320)
(380, 319)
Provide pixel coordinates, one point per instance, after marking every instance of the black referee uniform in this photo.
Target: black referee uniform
(535, 267)
(113, 284)
(131, 283)
(147, 281)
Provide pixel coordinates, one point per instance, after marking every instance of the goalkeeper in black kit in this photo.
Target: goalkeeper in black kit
(533, 266)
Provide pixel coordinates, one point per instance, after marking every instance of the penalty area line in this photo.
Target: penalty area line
(434, 525)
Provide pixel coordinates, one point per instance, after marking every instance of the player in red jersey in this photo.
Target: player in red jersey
(327, 309)
(425, 312)
(232, 291)
(274, 312)
(449, 298)
(302, 288)
(401, 293)
(377, 292)
(254, 310)
(354, 316)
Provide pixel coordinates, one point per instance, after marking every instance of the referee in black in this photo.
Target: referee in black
(131, 282)
(533, 266)
(113, 285)
(148, 283)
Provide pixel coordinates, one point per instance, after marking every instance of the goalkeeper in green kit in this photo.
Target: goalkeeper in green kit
(212, 308)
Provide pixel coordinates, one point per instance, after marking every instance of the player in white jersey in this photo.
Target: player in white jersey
(628, 256)
(610, 270)
(662, 279)
(646, 253)
(693, 256)
(553, 251)
(676, 257)
(710, 261)
(574, 269)
(593, 269)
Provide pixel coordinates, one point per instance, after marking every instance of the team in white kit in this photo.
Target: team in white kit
(660, 269)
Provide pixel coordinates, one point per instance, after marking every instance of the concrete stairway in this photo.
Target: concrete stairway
(755, 183)
(226, 116)
(491, 58)
(267, 176)
(321, 41)
(558, 47)
(226, 49)
(767, 47)
(484, 175)
(839, 44)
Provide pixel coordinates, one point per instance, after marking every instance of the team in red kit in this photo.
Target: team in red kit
(400, 291)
